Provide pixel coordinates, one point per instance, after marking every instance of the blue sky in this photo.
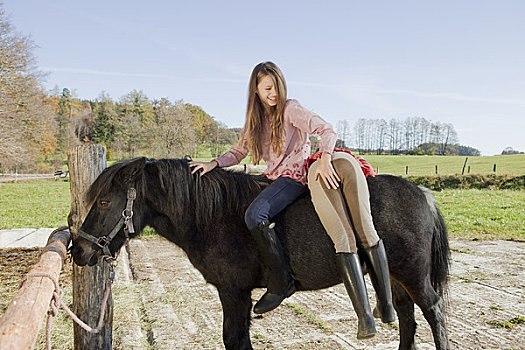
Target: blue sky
(459, 62)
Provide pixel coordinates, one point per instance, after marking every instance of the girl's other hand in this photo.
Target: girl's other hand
(205, 166)
(326, 171)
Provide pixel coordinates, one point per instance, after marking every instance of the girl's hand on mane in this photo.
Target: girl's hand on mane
(205, 166)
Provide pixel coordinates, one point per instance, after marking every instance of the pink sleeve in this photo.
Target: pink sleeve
(234, 156)
(311, 123)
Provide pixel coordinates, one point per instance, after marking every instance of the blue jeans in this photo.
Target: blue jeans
(273, 199)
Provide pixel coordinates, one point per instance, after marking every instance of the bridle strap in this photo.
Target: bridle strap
(125, 220)
(128, 212)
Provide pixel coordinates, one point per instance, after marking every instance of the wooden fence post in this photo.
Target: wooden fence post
(464, 164)
(85, 163)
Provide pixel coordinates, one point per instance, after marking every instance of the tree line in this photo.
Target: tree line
(409, 136)
(137, 126)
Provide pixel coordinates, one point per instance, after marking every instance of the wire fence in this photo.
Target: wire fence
(15, 177)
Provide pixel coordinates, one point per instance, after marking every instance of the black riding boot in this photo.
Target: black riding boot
(352, 275)
(280, 283)
(380, 277)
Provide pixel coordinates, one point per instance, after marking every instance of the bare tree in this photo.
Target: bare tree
(382, 128)
(413, 134)
(360, 134)
(449, 137)
(343, 132)
(395, 135)
(424, 131)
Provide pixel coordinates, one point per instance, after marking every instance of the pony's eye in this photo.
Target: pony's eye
(104, 203)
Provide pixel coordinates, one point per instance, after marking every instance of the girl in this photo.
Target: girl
(276, 130)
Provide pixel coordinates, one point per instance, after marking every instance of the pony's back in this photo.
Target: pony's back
(403, 218)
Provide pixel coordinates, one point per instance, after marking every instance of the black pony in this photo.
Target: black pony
(204, 216)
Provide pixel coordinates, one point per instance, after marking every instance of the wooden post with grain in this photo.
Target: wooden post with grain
(21, 323)
(85, 163)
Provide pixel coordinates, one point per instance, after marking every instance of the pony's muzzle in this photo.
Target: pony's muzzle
(84, 253)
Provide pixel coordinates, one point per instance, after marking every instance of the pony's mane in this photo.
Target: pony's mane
(209, 197)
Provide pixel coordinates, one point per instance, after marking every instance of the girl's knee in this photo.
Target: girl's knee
(345, 166)
(250, 218)
(255, 214)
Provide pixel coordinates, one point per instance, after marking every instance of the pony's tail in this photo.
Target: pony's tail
(440, 247)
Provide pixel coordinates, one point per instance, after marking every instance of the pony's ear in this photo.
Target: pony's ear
(132, 170)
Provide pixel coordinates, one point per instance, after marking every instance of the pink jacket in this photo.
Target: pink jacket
(299, 122)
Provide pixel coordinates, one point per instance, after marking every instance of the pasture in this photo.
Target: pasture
(448, 165)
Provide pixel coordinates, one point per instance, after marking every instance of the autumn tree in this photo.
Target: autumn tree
(222, 140)
(210, 133)
(27, 125)
(174, 130)
(205, 126)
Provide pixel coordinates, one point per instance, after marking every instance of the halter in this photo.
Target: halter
(125, 220)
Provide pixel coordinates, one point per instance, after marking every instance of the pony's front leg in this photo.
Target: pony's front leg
(236, 308)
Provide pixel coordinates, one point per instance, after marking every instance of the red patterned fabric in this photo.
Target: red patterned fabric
(367, 168)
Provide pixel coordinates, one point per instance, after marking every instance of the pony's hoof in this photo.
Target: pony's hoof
(267, 303)
(366, 327)
(387, 317)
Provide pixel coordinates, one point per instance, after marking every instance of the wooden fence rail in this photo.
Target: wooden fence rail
(21, 323)
(248, 168)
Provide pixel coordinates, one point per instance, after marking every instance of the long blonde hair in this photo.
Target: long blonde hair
(255, 111)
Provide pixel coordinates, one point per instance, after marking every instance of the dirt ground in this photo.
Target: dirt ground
(162, 302)
(486, 294)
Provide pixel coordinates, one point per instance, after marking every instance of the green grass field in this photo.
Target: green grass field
(43, 203)
(472, 214)
(483, 214)
(448, 165)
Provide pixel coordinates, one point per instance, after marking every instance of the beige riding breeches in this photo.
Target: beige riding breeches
(345, 211)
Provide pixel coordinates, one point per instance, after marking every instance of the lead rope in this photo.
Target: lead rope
(57, 302)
